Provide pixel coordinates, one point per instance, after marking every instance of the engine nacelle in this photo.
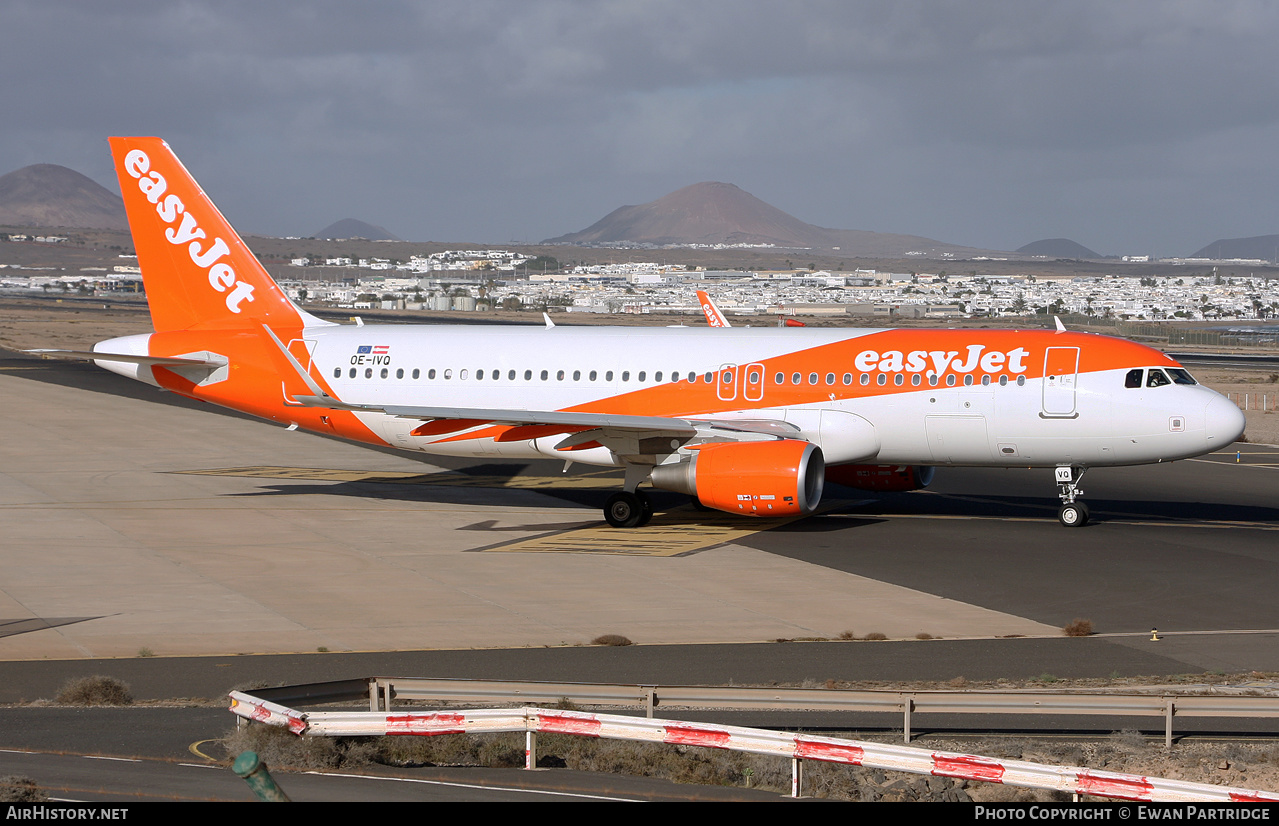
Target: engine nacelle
(775, 478)
(881, 477)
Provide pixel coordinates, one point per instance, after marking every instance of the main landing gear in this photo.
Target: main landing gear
(628, 510)
(1072, 514)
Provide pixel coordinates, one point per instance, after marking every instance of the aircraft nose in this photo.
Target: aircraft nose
(1223, 421)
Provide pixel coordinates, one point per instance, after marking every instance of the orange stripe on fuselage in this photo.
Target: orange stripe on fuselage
(254, 384)
(700, 399)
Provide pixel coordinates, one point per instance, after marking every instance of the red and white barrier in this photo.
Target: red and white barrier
(797, 747)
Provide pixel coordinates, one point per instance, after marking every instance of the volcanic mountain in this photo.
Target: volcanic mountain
(1058, 248)
(1265, 247)
(351, 228)
(47, 195)
(719, 213)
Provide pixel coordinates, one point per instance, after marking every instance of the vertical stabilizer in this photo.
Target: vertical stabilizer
(197, 270)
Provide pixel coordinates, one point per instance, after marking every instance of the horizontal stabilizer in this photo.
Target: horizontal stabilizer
(150, 361)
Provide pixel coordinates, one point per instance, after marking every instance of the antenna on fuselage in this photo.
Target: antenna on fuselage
(1061, 328)
(549, 323)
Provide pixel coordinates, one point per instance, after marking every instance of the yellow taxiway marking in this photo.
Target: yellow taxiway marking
(407, 478)
(687, 530)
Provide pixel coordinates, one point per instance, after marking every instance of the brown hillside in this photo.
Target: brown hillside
(47, 195)
(720, 213)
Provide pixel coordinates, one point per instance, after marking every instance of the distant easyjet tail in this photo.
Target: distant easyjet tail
(198, 272)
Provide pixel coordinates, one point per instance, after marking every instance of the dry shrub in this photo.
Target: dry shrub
(958, 682)
(98, 690)
(1078, 628)
(15, 789)
(611, 639)
(280, 748)
(847, 635)
(923, 635)
(875, 635)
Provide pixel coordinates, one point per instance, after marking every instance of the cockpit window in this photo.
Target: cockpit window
(1133, 379)
(1157, 378)
(1180, 376)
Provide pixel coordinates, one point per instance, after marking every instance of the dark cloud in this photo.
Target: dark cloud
(1130, 127)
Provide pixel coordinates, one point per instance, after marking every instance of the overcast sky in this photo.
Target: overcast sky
(1129, 127)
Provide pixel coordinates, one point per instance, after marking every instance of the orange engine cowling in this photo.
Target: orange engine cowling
(881, 477)
(776, 478)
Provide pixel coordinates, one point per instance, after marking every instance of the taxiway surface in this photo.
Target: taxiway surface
(134, 521)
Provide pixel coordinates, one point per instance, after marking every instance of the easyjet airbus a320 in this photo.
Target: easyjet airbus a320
(748, 421)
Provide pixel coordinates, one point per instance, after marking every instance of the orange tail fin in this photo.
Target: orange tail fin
(197, 270)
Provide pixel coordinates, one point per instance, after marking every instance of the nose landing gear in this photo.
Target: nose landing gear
(1072, 514)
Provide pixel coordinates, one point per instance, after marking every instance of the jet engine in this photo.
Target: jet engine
(774, 478)
(881, 477)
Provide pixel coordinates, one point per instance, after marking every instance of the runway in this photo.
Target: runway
(138, 522)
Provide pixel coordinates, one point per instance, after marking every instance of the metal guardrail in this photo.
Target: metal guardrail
(797, 747)
(381, 692)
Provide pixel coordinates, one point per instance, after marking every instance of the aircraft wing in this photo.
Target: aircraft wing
(503, 416)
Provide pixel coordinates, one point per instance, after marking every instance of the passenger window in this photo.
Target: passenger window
(577, 375)
(796, 378)
(710, 378)
(1003, 381)
(368, 372)
(608, 376)
(881, 379)
(1133, 379)
(510, 375)
(754, 377)
(932, 380)
(641, 375)
(430, 374)
(352, 372)
(528, 375)
(1021, 381)
(461, 375)
(899, 379)
(657, 376)
(626, 375)
(985, 381)
(812, 378)
(559, 375)
(916, 379)
(337, 372)
(692, 377)
(848, 379)
(727, 377)
(385, 372)
(416, 372)
(968, 380)
(830, 378)
(479, 375)
(865, 379)
(545, 375)
(593, 375)
(399, 373)
(950, 380)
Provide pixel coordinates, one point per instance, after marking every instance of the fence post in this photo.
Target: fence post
(530, 748)
(1170, 708)
(796, 777)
